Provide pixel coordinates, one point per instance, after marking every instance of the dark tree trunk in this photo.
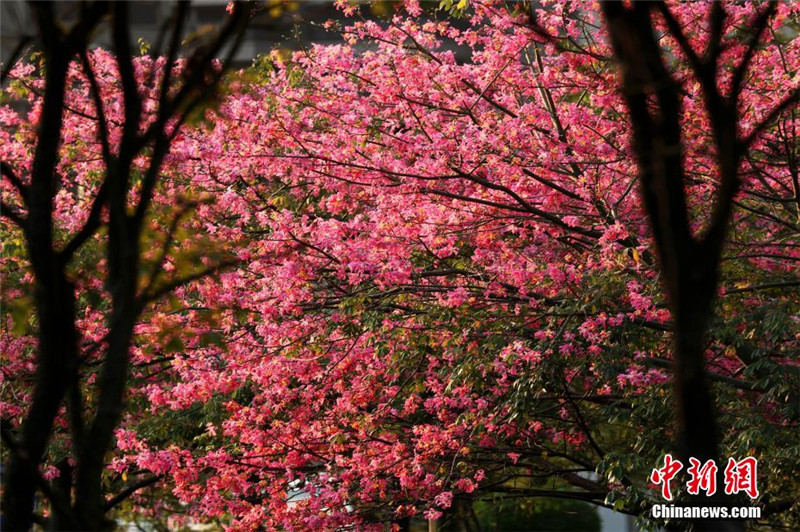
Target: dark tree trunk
(77, 501)
(56, 361)
(689, 263)
(55, 309)
(698, 436)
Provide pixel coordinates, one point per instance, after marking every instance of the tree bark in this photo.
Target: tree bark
(689, 263)
(55, 308)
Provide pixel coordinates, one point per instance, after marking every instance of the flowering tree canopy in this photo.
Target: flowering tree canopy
(453, 266)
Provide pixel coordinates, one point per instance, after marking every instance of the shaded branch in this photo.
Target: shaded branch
(89, 227)
(790, 100)
(765, 286)
(130, 490)
(201, 77)
(677, 32)
(758, 27)
(525, 204)
(102, 124)
(12, 214)
(8, 171)
(172, 285)
(165, 247)
(716, 24)
(15, 55)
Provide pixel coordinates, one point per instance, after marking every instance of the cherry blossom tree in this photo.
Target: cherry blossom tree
(453, 280)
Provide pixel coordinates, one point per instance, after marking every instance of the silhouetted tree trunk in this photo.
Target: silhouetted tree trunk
(77, 500)
(689, 262)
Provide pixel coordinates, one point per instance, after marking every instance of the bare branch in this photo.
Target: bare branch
(788, 102)
(15, 55)
(525, 204)
(201, 78)
(12, 214)
(765, 286)
(677, 32)
(181, 10)
(172, 285)
(89, 227)
(165, 247)
(15, 180)
(130, 490)
(130, 91)
(102, 125)
(758, 27)
(716, 24)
